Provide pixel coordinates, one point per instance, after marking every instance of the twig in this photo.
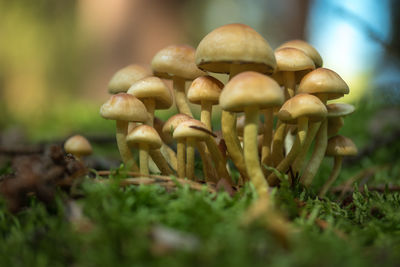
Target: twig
(150, 179)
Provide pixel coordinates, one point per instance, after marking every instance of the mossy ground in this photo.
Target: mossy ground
(362, 231)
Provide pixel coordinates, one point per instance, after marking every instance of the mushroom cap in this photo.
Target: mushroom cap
(176, 60)
(78, 145)
(340, 146)
(184, 130)
(251, 89)
(125, 77)
(240, 123)
(173, 122)
(293, 59)
(323, 81)
(124, 107)
(302, 105)
(205, 88)
(235, 44)
(339, 109)
(144, 134)
(306, 48)
(152, 88)
(334, 125)
(158, 125)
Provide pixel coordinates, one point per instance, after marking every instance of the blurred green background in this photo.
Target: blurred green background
(56, 57)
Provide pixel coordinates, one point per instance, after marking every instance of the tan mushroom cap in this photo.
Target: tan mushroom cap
(240, 123)
(78, 145)
(125, 77)
(235, 44)
(340, 146)
(173, 122)
(302, 105)
(176, 60)
(152, 88)
(251, 89)
(144, 134)
(184, 130)
(205, 88)
(323, 81)
(306, 48)
(339, 109)
(293, 59)
(124, 107)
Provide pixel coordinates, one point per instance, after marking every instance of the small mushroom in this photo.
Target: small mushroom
(176, 62)
(326, 85)
(338, 146)
(125, 77)
(146, 138)
(308, 49)
(249, 92)
(124, 108)
(232, 49)
(205, 90)
(78, 146)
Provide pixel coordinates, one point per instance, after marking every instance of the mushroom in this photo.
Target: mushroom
(249, 92)
(326, 85)
(78, 146)
(185, 133)
(338, 146)
(289, 61)
(299, 110)
(167, 139)
(124, 108)
(125, 77)
(205, 90)
(154, 94)
(308, 49)
(146, 138)
(234, 48)
(168, 129)
(176, 62)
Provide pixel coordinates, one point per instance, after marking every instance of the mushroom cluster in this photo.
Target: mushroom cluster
(282, 95)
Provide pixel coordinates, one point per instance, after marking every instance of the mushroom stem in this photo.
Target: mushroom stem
(144, 158)
(235, 151)
(321, 142)
(181, 158)
(161, 162)
(289, 82)
(218, 159)
(277, 143)
(251, 152)
(170, 156)
(190, 145)
(208, 169)
(124, 151)
(267, 139)
(337, 166)
(180, 96)
(150, 105)
(205, 115)
(284, 165)
(300, 159)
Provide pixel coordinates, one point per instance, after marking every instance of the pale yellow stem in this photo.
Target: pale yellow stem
(209, 171)
(180, 96)
(219, 160)
(150, 105)
(267, 138)
(161, 162)
(190, 145)
(205, 115)
(251, 152)
(289, 82)
(144, 158)
(181, 157)
(170, 156)
(124, 151)
(337, 166)
(277, 143)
